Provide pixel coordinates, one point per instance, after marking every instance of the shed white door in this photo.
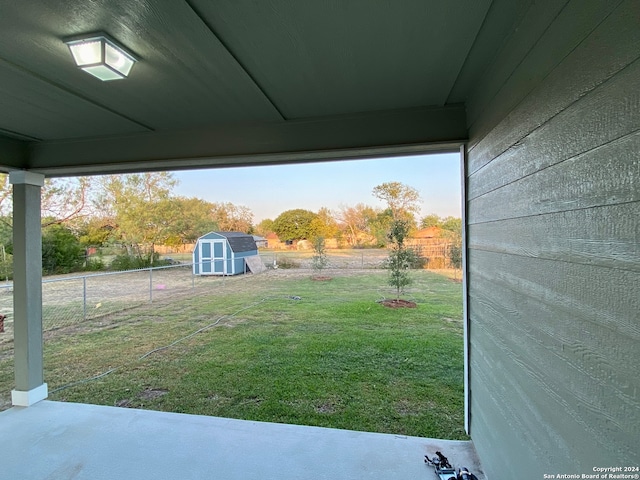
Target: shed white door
(213, 257)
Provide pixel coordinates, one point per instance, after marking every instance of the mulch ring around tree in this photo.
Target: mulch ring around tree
(321, 278)
(399, 303)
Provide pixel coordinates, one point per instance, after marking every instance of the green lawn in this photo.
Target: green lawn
(334, 357)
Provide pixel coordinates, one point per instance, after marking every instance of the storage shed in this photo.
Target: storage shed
(223, 253)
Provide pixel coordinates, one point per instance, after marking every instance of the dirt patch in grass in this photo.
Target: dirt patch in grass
(153, 393)
(398, 303)
(321, 278)
(251, 401)
(147, 394)
(326, 408)
(407, 408)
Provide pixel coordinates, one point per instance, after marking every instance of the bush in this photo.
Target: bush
(61, 251)
(94, 264)
(287, 263)
(455, 255)
(6, 267)
(134, 262)
(415, 258)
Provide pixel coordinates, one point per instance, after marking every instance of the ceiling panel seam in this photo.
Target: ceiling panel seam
(73, 93)
(236, 59)
(18, 135)
(466, 58)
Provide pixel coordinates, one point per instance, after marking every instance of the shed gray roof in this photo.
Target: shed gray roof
(240, 242)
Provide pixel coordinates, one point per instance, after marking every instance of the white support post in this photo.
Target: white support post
(27, 289)
(465, 292)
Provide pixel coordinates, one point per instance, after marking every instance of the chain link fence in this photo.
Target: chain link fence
(72, 299)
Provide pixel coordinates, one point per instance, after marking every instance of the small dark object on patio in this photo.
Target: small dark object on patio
(2, 317)
(445, 471)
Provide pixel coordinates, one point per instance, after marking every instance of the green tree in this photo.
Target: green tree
(295, 225)
(95, 231)
(61, 250)
(190, 219)
(452, 224)
(319, 260)
(401, 199)
(142, 208)
(455, 255)
(6, 264)
(400, 257)
(264, 227)
(6, 231)
(431, 220)
(380, 226)
(325, 224)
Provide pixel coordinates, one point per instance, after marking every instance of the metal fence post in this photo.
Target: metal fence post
(151, 285)
(84, 298)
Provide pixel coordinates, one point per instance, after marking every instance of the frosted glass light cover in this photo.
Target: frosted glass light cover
(101, 57)
(103, 72)
(86, 53)
(118, 60)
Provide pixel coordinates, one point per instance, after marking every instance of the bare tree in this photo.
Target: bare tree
(356, 221)
(63, 199)
(232, 218)
(400, 198)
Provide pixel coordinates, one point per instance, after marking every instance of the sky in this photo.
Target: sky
(270, 190)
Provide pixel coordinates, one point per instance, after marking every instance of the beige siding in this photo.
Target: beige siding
(553, 189)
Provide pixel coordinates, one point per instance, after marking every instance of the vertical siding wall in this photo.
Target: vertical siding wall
(553, 183)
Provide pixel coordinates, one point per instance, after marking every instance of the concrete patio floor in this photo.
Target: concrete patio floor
(56, 440)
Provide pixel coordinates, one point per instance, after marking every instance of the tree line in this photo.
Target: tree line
(137, 212)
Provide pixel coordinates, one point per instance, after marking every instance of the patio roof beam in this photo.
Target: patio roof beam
(13, 153)
(395, 132)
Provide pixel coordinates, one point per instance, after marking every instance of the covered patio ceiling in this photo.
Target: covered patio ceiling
(242, 82)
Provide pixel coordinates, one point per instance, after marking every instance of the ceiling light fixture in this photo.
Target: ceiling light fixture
(101, 57)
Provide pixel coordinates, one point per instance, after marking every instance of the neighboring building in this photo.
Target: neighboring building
(431, 245)
(429, 232)
(261, 242)
(273, 242)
